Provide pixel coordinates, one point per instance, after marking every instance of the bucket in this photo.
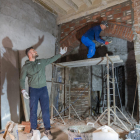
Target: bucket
(80, 132)
(105, 133)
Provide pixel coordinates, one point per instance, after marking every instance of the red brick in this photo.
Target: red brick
(126, 18)
(71, 24)
(113, 29)
(109, 13)
(103, 10)
(27, 126)
(27, 129)
(116, 7)
(137, 29)
(126, 34)
(83, 21)
(125, 8)
(63, 27)
(95, 16)
(66, 30)
(136, 4)
(25, 123)
(63, 34)
(104, 18)
(118, 15)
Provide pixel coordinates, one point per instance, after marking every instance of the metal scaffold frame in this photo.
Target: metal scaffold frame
(109, 109)
(90, 62)
(70, 105)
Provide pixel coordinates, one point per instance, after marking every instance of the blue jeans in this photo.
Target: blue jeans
(90, 45)
(39, 94)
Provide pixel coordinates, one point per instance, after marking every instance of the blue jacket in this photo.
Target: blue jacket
(93, 33)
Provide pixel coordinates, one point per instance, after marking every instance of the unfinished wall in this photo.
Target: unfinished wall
(23, 23)
(136, 7)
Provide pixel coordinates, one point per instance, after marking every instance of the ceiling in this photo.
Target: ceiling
(67, 10)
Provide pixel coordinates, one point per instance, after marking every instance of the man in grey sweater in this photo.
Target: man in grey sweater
(34, 69)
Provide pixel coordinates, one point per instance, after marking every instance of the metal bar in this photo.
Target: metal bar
(118, 90)
(69, 100)
(101, 116)
(119, 120)
(60, 65)
(59, 115)
(108, 92)
(114, 102)
(52, 100)
(56, 82)
(75, 112)
(64, 90)
(124, 116)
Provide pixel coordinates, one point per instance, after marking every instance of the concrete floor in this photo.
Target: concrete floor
(60, 131)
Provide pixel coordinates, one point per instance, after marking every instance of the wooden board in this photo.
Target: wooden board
(91, 62)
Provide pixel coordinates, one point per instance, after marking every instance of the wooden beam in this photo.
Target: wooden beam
(62, 4)
(88, 2)
(92, 1)
(54, 6)
(72, 4)
(45, 6)
(91, 62)
(64, 19)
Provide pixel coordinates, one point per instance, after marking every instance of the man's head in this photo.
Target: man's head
(31, 53)
(103, 25)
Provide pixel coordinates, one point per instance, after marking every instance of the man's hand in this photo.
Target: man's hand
(106, 43)
(25, 94)
(63, 51)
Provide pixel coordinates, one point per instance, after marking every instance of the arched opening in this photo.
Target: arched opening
(122, 44)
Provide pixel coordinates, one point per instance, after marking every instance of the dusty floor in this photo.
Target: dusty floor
(60, 131)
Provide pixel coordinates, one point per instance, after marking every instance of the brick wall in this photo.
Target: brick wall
(119, 13)
(120, 18)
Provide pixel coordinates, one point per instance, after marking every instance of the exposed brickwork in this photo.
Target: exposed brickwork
(118, 13)
(136, 7)
(119, 31)
(118, 16)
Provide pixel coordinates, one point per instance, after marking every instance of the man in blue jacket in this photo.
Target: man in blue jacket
(91, 34)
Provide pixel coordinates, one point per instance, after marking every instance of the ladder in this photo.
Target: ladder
(111, 89)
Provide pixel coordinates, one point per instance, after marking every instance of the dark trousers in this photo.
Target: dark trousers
(39, 94)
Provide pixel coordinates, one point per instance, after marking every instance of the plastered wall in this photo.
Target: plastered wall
(22, 24)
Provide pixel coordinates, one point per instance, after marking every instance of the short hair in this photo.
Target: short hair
(104, 22)
(27, 50)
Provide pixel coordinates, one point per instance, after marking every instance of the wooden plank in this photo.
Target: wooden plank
(91, 62)
(72, 4)
(88, 2)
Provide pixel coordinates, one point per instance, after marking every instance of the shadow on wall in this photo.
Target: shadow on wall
(10, 94)
(10, 102)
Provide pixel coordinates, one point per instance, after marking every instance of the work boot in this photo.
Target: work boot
(48, 134)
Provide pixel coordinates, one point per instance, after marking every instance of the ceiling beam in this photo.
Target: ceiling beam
(88, 2)
(45, 6)
(72, 4)
(92, 1)
(104, 2)
(54, 6)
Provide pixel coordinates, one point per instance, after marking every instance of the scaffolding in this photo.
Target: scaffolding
(114, 107)
(90, 62)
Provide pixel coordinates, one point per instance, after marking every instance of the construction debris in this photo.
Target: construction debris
(27, 126)
(105, 133)
(11, 131)
(134, 134)
(37, 136)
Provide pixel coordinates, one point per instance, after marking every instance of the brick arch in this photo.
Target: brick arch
(119, 30)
